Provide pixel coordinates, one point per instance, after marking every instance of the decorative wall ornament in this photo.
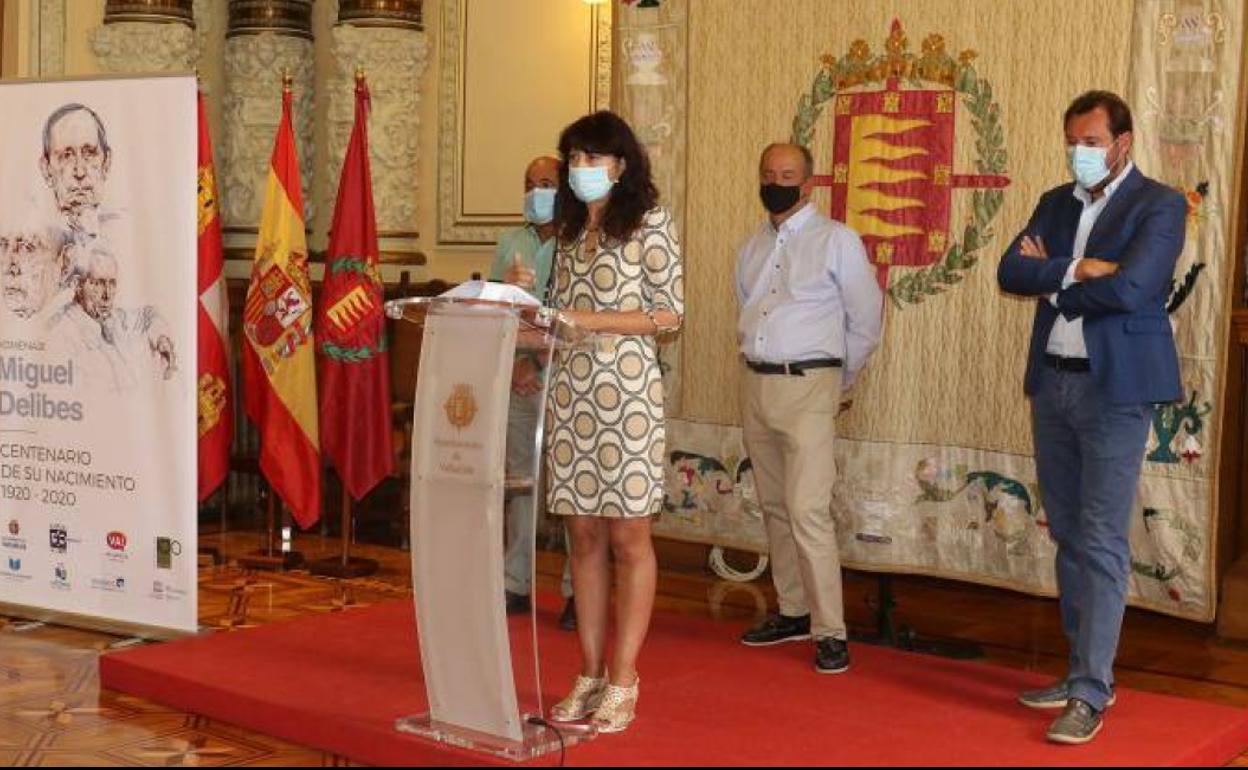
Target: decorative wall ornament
(210, 22)
(251, 109)
(1172, 422)
(1167, 557)
(1184, 80)
(393, 59)
(935, 474)
(47, 50)
(133, 47)
(651, 72)
(1011, 510)
(893, 152)
(603, 34)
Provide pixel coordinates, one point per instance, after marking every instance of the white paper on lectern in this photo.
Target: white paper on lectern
(458, 465)
(494, 292)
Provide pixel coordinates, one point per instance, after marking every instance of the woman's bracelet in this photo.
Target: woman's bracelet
(658, 327)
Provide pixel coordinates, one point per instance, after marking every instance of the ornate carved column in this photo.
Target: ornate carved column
(265, 38)
(146, 36)
(387, 39)
(46, 54)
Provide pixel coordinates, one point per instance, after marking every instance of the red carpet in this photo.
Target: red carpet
(337, 682)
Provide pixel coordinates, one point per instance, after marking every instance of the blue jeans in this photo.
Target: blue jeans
(1088, 458)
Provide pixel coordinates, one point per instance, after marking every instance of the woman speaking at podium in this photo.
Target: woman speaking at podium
(618, 274)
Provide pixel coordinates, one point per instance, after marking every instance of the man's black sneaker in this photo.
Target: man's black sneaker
(777, 629)
(831, 656)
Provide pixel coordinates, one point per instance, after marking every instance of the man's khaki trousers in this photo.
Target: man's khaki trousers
(790, 433)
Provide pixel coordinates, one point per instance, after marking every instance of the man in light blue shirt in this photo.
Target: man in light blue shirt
(524, 257)
(810, 316)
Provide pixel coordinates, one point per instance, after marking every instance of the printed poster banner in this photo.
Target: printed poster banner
(97, 351)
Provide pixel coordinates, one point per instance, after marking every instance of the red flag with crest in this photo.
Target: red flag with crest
(354, 365)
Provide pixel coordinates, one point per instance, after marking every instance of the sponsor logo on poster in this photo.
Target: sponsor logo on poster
(113, 584)
(58, 538)
(12, 541)
(13, 569)
(117, 542)
(167, 592)
(60, 576)
(167, 549)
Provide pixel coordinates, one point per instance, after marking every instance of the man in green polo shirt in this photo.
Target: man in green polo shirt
(524, 257)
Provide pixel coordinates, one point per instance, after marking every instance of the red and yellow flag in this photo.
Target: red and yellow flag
(279, 365)
(216, 423)
(350, 328)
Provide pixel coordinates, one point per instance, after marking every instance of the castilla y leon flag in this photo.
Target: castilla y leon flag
(216, 426)
(279, 365)
(350, 328)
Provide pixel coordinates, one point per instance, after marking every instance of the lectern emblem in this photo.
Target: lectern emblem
(461, 407)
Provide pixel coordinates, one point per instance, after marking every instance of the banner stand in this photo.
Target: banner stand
(99, 394)
(93, 623)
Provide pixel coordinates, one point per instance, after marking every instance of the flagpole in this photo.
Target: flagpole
(346, 565)
(272, 557)
(347, 529)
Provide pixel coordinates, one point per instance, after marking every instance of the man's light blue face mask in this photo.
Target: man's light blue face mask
(1088, 165)
(539, 205)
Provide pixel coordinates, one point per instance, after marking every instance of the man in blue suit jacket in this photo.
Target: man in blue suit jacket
(1098, 255)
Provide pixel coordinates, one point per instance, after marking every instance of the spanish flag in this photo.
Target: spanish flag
(216, 423)
(279, 362)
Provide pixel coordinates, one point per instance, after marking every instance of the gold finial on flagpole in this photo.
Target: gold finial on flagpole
(288, 80)
(360, 75)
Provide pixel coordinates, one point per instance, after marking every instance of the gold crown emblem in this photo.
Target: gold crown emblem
(461, 407)
(862, 65)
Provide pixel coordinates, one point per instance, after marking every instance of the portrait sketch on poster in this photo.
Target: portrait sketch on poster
(98, 236)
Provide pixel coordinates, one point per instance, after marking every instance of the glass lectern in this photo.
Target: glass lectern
(482, 386)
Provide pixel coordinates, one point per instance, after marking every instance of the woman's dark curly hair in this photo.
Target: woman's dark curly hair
(605, 133)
